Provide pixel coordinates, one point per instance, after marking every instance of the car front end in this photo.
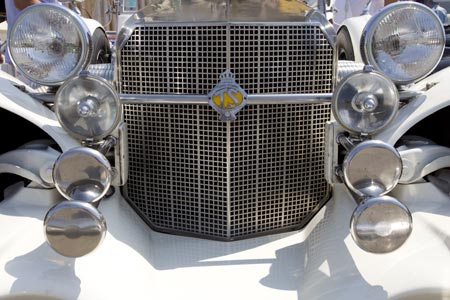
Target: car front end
(220, 149)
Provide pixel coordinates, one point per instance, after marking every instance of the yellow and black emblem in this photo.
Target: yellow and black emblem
(227, 97)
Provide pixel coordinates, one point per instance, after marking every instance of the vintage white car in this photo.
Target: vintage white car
(218, 149)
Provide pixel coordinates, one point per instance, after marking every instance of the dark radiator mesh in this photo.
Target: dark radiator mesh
(266, 58)
(192, 173)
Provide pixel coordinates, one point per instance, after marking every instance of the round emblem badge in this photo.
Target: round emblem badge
(227, 97)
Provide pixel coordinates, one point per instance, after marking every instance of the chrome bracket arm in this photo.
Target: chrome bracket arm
(423, 160)
(33, 164)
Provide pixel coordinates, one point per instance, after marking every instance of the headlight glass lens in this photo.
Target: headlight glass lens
(88, 107)
(49, 43)
(405, 41)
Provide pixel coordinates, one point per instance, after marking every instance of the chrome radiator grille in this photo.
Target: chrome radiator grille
(187, 59)
(193, 174)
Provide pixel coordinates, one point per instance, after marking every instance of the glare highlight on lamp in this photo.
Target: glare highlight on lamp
(74, 228)
(82, 174)
(380, 224)
(372, 168)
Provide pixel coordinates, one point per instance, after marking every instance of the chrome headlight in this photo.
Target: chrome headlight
(82, 174)
(49, 43)
(365, 102)
(74, 228)
(372, 168)
(88, 107)
(405, 41)
(381, 224)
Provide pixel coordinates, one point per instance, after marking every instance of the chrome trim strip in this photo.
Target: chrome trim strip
(121, 156)
(230, 23)
(285, 171)
(228, 49)
(203, 99)
(199, 160)
(228, 160)
(171, 171)
(328, 29)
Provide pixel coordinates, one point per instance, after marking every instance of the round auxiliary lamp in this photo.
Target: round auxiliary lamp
(381, 224)
(88, 107)
(365, 102)
(74, 228)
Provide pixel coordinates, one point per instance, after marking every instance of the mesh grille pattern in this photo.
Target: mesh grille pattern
(266, 59)
(191, 173)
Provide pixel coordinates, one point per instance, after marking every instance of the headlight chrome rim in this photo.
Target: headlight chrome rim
(383, 176)
(82, 174)
(371, 27)
(81, 28)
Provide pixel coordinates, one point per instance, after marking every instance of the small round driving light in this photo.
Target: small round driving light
(405, 40)
(365, 102)
(74, 228)
(372, 168)
(88, 107)
(49, 43)
(381, 224)
(82, 174)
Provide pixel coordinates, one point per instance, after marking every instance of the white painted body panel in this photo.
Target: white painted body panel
(18, 102)
(134, 262)
(430, 101)
(355, 27)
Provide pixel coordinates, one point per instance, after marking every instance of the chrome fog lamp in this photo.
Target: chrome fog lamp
(405, 41)
(365, 101)
(49, 43)
(88, 107)
(82, 174)
(380, 224)
(74, 228)
(372, 168)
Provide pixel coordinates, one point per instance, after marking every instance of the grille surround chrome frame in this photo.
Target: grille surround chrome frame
(297, 100)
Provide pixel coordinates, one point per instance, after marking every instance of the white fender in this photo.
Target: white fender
(33, 164)
(23, 105)
(92, 24)
(426, 103)
(355, 28)
(420, 161)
